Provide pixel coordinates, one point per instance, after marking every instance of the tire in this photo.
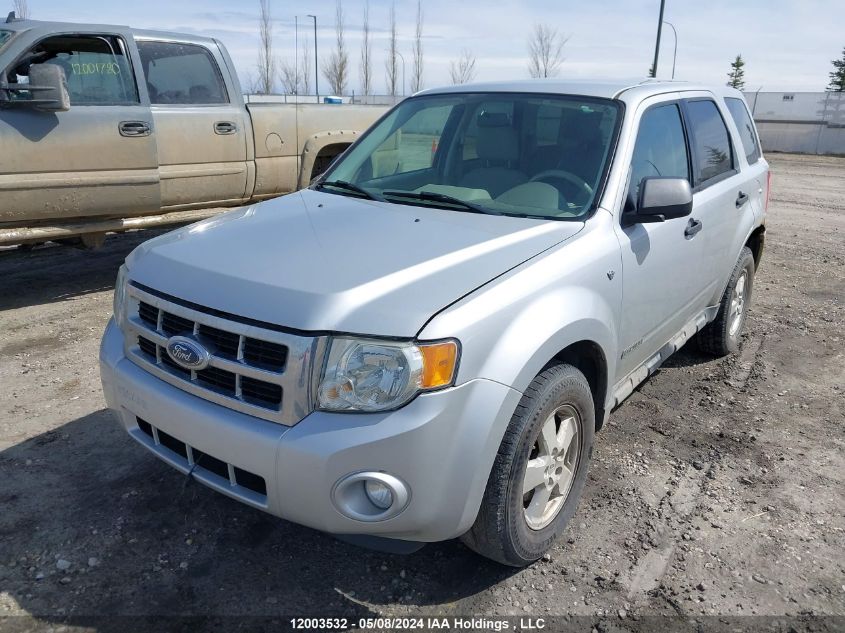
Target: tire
(722, 336)
(560, 396)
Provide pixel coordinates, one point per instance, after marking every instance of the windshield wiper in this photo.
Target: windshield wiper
(348, 186)
(430, 196)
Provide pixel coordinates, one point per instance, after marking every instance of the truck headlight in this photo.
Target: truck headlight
(373, 375)
(119, 305)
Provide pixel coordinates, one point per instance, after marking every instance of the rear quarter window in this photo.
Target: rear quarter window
(747, 134)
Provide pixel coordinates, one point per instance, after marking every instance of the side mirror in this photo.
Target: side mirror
(47, 85)
(662, 199)
(50, 85)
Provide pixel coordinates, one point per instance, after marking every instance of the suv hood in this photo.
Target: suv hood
(322, 262)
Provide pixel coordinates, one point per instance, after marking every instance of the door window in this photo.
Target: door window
(711, 145)
(661, 148)
(181, 74)
(739, 113)
(96, 67)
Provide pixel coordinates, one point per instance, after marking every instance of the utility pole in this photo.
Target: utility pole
(657, 43)
(316, 65)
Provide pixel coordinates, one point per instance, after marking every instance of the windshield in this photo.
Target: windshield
(512, 154)
(5, 36)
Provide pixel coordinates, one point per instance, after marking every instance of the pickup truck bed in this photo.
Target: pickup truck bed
(140, 128)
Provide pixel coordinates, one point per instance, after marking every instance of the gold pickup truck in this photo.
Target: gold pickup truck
(107, 128)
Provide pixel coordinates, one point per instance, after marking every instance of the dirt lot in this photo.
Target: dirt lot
(717, 488)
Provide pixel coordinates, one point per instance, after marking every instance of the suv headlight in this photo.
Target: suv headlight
(372, 375)
(119, 305)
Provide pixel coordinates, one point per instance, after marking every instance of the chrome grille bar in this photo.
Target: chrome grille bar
(282, 394)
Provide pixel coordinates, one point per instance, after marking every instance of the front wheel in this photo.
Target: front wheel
(722, 336)
(539, 472)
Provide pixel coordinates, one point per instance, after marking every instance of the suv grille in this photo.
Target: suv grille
(260, 371)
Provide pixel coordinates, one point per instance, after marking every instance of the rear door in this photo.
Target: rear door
(755, 168)
(200, 124)
(96, 159)
(721, 190)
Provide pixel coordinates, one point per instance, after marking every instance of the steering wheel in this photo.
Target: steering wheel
(559, 174)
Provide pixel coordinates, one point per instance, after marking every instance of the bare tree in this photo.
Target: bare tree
(289, 77)
(366, 67)
(21, 8)
(462, 69)
(266, 60)
(336, 68)
(545, 48)
(417, 76)
(391, 66)
(305, 67)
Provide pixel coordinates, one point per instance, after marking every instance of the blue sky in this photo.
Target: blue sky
(786, 45)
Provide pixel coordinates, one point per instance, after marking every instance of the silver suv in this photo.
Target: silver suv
(423, 344)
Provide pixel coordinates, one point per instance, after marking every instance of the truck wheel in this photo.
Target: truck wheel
(721, 337)
(539, 471)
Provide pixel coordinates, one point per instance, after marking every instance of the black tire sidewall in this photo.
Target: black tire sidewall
(568, 388)
(745, 263)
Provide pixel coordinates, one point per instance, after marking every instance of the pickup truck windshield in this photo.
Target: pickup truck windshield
(502, 153)
(5, 36)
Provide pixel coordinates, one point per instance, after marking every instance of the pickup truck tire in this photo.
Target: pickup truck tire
(559, 396)
(722, 336)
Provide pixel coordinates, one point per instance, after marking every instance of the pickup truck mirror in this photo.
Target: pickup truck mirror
(48, 87)
(662, 199)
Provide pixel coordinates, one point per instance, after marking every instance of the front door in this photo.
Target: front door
(98, 158)
(202, 130)
(664, 284)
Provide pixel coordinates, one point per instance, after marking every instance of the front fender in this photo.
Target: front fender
(512, 327)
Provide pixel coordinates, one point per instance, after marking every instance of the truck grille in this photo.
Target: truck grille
(259, 370)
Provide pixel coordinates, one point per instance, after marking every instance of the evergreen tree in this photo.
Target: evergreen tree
(736, 78)
(837, 76)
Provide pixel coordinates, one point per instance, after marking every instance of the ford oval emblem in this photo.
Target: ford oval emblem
(187, 353)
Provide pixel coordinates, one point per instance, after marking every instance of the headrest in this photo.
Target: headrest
(498, 143)
(584, 128)
(493, 119)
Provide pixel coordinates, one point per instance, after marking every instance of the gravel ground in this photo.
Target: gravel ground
(718, 488)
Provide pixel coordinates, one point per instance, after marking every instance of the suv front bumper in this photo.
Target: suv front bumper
(442, 445)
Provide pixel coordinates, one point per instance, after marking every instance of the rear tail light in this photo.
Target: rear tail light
(768, 188)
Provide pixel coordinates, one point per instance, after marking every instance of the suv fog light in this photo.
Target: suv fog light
(370, 496)
(378, 493)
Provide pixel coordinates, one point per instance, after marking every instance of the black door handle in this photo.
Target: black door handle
(225, 127)
(741, 199)
(693, 227)
(134, 128)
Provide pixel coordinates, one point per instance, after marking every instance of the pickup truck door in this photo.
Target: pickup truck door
(201, 124)
(96, 159)
(664, 285)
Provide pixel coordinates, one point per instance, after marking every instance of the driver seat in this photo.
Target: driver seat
(498, 149)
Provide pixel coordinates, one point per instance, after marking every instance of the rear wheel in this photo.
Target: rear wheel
(539, 472)
(722, 336)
